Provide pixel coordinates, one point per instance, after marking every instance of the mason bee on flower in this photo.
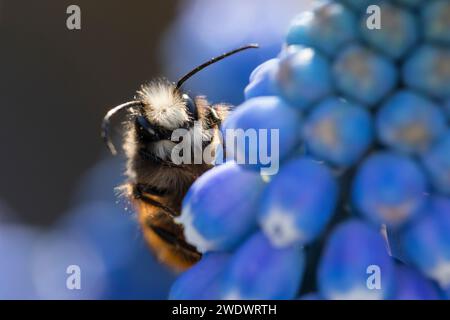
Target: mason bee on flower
(155, 183)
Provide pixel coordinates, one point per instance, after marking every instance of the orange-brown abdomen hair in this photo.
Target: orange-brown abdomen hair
(163, 235)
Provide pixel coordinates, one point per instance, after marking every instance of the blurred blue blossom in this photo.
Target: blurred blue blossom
(54, 253)
(207, 28)
(101, 237)
(16, 243)
(108, 223)
(114, 234)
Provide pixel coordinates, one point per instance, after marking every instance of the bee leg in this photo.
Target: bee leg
(213, 118)
(171, 249)
(140, 192)
(171, 238)
(165, 237)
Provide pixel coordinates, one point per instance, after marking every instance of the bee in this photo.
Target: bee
(155, 184)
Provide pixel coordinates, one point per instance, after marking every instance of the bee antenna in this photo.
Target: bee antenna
(213, 60)
(106, 123)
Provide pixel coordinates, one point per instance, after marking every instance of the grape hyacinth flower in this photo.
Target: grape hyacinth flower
(412, 285)
(427, 242)
(328, 28)
(447, 108)
(360, 5)
(354, 251)
(214, 224)
(409, 122)
(303, 76)
(201, 281)
(360, 205)
(338, 131)
(428, 70)
(398, 33)
(260, 271)
(261, 80)
(437, 163)
(363, 75)
(412, 3)
(298, 203)
(436, 19)
(263, 131)
(389, 188)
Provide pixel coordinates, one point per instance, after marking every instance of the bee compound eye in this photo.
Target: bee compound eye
(191, 106)
(145, 130)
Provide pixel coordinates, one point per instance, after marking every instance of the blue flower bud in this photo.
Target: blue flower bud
(412, 3)
(202, 280)
(327, 28)
(436, 21)
(303, 76)
(410, 122)
(398, 32)
(427, 241)
(362, 75)
(360, 5)
(355, 264)
(389, 188)
(298, 203)
(338, 131)
(437, 164)
(411, 285)
(428, 70)
(264, 131)
(261, 80)
(260, 271)
(396, 250)
(447, 108)
(219, 210)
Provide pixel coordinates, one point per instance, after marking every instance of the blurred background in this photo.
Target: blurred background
(57, 202)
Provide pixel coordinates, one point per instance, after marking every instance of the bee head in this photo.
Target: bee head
(162, 107)
(191, 106)
(166, 107)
